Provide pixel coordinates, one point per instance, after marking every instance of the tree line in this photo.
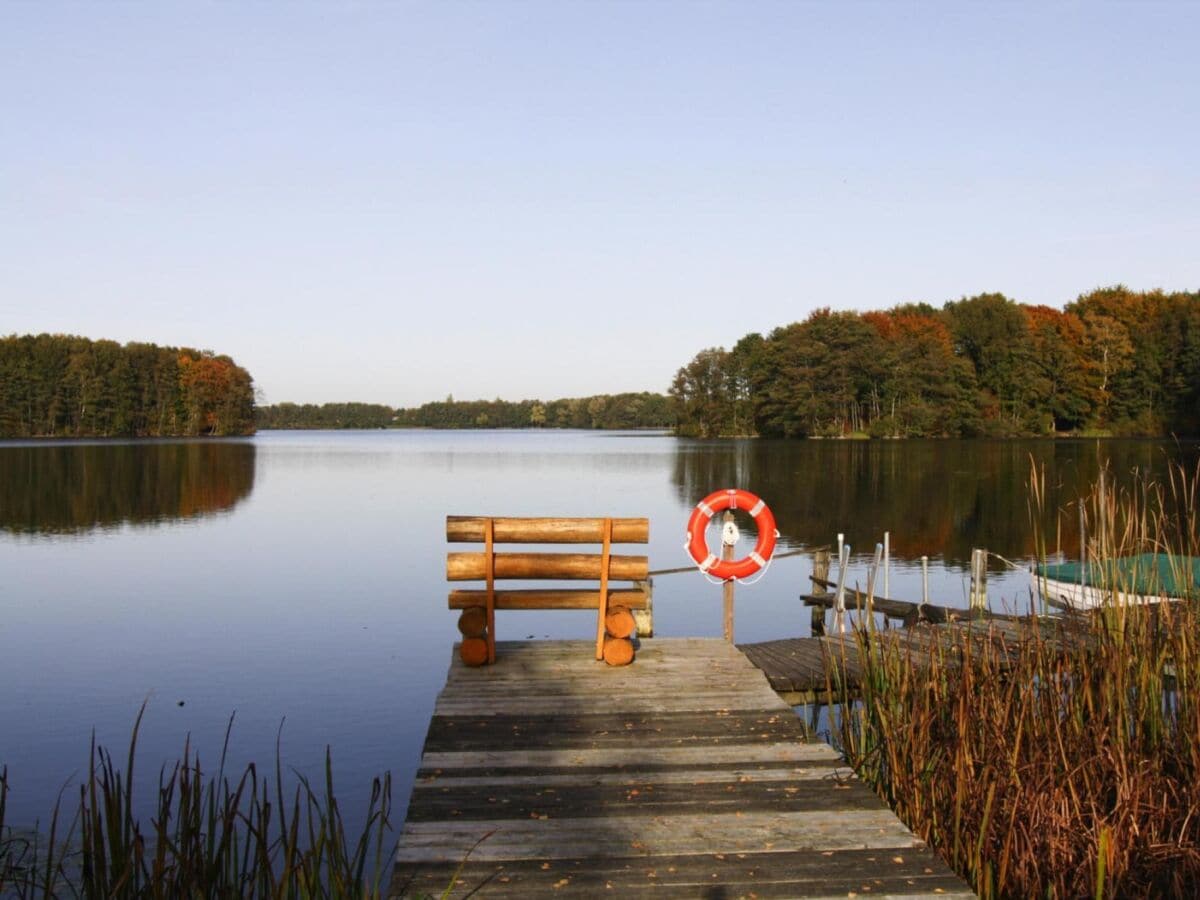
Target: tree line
(602, 411)
(68, 386)
(324, 415)
(1114, 361)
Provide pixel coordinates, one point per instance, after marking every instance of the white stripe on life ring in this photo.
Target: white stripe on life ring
(758, 507)
(708, 563)
(706, 509)
(755, 556)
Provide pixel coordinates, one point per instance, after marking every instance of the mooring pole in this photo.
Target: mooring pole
(871, 581)
(820, 570)
(973, 590)
(887, 556)
(727, 554)
(978, 579)
(840, 600)
(1082, 548)
(983, 578)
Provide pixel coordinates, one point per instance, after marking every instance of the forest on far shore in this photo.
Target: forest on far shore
(54, 385)
(603, 411)
(1114, 361)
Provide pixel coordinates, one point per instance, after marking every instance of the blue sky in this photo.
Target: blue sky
(396, 202)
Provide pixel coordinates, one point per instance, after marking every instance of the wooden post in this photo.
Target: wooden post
(839, 602)
(983, 578)
(490, 578)
(727, 590)
(871, 581)
(820, 570)
(1082, 548)
(924, 580)
(978, 579)
(602, 610)
(887, 558)
(973, 590)
(645, 617)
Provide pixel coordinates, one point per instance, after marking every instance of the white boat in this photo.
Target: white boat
(1125, 581)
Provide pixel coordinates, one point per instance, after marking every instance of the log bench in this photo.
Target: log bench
(614, 621)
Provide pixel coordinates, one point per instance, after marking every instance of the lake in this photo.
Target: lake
(297, 578)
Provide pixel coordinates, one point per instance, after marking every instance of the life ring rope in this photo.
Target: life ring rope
(757, 560)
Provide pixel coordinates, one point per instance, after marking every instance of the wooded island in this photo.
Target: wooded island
(68, 386)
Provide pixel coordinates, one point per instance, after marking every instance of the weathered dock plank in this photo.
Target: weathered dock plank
(796, 667)
(683, 774)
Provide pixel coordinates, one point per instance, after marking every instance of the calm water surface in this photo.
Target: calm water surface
(298, 578)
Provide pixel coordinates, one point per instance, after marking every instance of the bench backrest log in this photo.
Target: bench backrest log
(489, 566)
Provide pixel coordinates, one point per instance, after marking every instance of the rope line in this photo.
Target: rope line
(693, 568)
(1007, 562)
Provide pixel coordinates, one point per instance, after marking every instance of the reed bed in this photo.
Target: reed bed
(222, 836)
(1049, 765)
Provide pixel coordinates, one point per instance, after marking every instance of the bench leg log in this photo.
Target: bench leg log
(619, 625)
(473, 622)
(473, 651)
(473, 625)
(620, 622)
(618, 651)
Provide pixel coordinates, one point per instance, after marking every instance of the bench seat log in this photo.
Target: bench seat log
(538, 566)
(549, 599)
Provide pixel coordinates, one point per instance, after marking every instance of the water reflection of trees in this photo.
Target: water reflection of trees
(64, 488)
(939, 498)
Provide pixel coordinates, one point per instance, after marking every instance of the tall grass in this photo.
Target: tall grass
(1062, 763)
(220, 836)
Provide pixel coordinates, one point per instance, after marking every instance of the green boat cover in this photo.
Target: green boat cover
(1151, 574)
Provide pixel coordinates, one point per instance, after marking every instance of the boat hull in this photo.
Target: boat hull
(1067, 595)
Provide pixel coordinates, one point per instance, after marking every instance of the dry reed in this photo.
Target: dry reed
(1064, 761)
(208, 837)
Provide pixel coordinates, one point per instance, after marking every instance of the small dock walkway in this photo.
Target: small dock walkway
(680, 775)
(796, 667)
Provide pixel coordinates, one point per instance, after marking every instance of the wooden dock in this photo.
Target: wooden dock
(680, 775)
(796, 667)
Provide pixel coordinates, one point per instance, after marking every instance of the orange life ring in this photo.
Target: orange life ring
(697, 546)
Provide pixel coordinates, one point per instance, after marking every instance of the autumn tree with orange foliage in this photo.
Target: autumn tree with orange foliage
(1114, 361)
(216, 394)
